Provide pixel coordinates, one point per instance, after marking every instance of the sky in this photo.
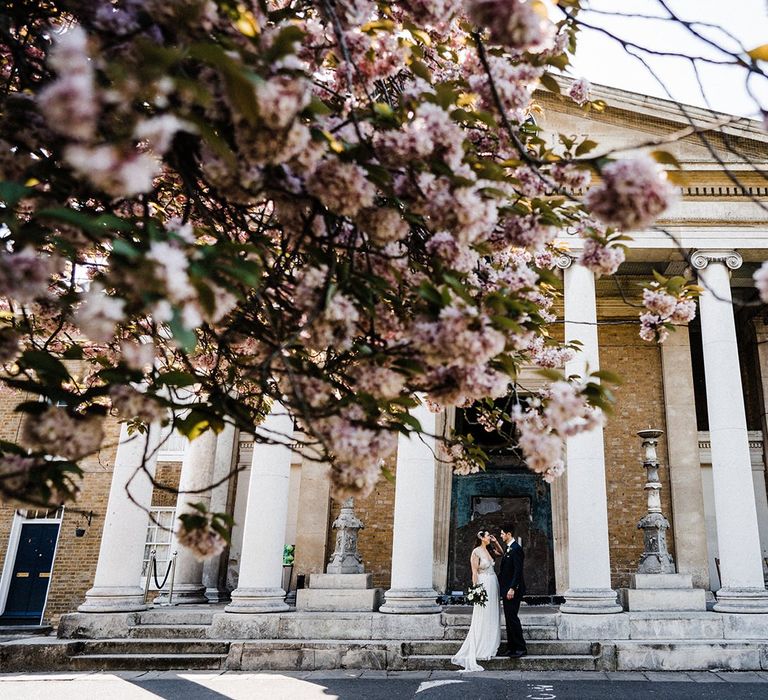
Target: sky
(602, 60)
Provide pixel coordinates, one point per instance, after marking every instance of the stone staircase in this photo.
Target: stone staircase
(182, 638)
(162, 640)
(542, 656)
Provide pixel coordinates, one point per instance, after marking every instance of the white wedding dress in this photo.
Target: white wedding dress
(484, 634)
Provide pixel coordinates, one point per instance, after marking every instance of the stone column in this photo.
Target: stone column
(589, 565)
(314, 515)
(214, 569)
(413, 535)
(259, 586)
(196, 474)
(443, 491)
(688, 520)
(738, 540)
(117, 584)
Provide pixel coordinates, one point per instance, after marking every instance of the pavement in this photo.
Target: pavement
(385, 685)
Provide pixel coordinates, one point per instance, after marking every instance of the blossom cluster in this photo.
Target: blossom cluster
(334, 206)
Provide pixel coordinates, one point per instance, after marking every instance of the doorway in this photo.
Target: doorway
(28, 569)
(491, 499)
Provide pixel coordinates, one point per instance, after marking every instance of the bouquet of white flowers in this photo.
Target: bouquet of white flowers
(477, 595)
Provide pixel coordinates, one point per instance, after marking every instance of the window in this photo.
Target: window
(159, 536)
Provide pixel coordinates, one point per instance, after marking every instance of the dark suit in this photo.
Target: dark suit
(511, 576)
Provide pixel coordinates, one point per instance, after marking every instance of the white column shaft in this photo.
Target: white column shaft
(196, 474)
(259, 586)
(117, 584)
(413, 532)
(737, 529)
(589, 566)
(226, 453)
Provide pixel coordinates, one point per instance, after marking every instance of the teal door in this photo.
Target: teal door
(491, 499)
(31, 574)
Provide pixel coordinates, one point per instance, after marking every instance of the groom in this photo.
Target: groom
(512, 590)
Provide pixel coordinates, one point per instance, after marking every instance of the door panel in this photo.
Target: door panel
(491, 499)
(31, 574)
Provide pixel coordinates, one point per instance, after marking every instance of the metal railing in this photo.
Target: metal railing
(152, 573)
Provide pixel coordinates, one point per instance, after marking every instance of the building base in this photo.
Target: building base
(257, 600)
(410, 601)
(590, 601)
(184, 594)
(113, 599)
(339, 592)
(742, 600)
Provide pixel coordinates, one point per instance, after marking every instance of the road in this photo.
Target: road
(380, 685)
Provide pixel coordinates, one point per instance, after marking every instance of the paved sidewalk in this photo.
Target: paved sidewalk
(385, 685)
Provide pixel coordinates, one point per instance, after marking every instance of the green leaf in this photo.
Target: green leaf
(186, 338)
(177, 378)
(46, 365)
(585, 147)
(550, 83)
(608, 376)
(12, 192)
(666, 158)
(759, 53)
(125, 249)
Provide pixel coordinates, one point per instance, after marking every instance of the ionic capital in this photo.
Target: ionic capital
(730, 258)
(564, 260)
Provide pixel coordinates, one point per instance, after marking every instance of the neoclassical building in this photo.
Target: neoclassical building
(706, 387)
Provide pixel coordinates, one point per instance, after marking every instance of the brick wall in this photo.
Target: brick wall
(375, 541)
(640, 404)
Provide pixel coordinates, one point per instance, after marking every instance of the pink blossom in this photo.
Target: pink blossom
(56, 432)
(517, 24)
(159, 131)
(659, 302)
(70, 106)
(379, 381)
(25, 275)
(652, 328)
(570, 177)
(281, 98)
(384, 224)
(514, 84)
(138, 355)
(342, 187)
(452, 253)
(116, 173)
(578, 91)
(632, 195)
(204, 542)
(685, 311)
(131, 404)
(531, 182)
(99, 313)
(600, 258)
(761, 282)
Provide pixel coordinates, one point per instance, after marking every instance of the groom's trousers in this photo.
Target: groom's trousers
(515, 640)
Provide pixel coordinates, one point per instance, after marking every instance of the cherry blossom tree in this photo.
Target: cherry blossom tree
(338, 207)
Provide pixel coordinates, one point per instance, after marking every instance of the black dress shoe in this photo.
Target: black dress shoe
(518, 654)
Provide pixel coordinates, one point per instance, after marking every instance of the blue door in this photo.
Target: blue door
(31, 574)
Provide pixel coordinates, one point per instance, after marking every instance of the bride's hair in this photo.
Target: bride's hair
(479, 536)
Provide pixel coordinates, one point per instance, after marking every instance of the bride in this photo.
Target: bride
(484, 633)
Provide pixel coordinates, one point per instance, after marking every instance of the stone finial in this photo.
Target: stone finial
(656, 558)
(345, 558)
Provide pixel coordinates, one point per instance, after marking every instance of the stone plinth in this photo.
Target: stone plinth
(339, 592)
(346, 599)
(665, 592)
(326, 581)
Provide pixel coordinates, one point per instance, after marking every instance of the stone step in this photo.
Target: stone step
(151, 646)
(529, 632)
(147, 662)
(535, 648)
(169, 631)
(547, 662)
(178, 616)
(526, 618)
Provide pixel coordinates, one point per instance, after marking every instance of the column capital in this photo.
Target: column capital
(732, 259)
(564, 260)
